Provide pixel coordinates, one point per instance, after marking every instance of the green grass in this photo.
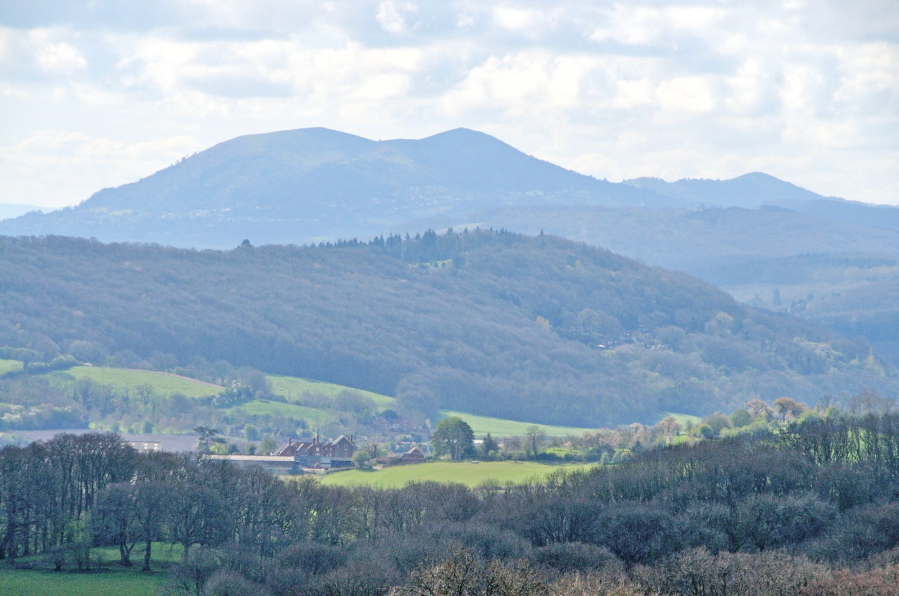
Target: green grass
(9, 366)
(294, 387)
(682, 419)
(275, 408)
(112, 582)
(128, 379)
(465, 473)
(115, 582)
(499, 427)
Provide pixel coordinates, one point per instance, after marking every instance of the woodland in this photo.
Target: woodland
(486, 322)
(811, 510)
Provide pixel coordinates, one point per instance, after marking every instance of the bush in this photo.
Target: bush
(576, 556)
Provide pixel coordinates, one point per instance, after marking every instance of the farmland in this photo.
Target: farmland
(481, 425)
(294, 387)
(262, 407)
(128, 379)
(467, 473)
(9, 366)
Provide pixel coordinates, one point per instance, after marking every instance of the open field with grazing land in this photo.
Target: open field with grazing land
(499, 427)
(114, 581)
(467, 473)
(261, 407)
(130, 379)
(9, 366)
(294, 387)
(682, 419)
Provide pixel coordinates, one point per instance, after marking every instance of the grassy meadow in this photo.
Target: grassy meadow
(113, 581)
(499, 427)
(467, 473)
(130, 379)
(682, 419)
(262, 407)
(294, 387)
(9, 366)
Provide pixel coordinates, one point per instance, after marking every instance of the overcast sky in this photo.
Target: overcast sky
(96, 94)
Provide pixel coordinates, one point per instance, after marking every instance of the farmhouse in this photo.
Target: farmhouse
(313, 452)
(413, 456)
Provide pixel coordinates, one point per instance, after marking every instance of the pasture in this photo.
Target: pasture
(261, 407)
(682, 419)
(499, 427)
(115, 582)
(294, 387)
(122, 379)
(9, 366)
(467, 473)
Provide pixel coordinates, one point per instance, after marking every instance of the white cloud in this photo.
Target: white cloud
(392, 15)
(806, 91)
(60, 57)
(686, 94)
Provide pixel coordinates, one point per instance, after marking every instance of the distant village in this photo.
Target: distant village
(315, 455)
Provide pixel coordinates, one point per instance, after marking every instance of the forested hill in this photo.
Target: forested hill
(494, 323)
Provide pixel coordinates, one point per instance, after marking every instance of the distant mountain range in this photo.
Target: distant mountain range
(312, 185)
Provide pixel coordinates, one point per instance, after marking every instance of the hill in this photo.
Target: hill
(299, 185)
(749, 191)
(698, 241)
(8, 211)
(537, 329)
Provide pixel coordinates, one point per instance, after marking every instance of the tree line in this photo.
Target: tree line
(810, 510)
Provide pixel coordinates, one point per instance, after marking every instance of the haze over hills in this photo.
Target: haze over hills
(538, 329)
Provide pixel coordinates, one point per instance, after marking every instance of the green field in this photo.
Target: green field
(112, 582)
(294, 387)
(122, 379)
(466, 473)
(9, 366)
(260, 407)
(109, 583)
(682, 419)
(499, 427)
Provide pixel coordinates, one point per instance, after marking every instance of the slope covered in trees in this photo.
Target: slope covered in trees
(492, 323)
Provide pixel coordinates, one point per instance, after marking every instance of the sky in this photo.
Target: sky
(95, 93)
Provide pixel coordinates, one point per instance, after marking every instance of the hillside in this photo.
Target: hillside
(300, 185)
(496, 324)
(8, 211)
(699, 241)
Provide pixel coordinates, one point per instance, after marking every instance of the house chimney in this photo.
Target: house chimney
(289, 441)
